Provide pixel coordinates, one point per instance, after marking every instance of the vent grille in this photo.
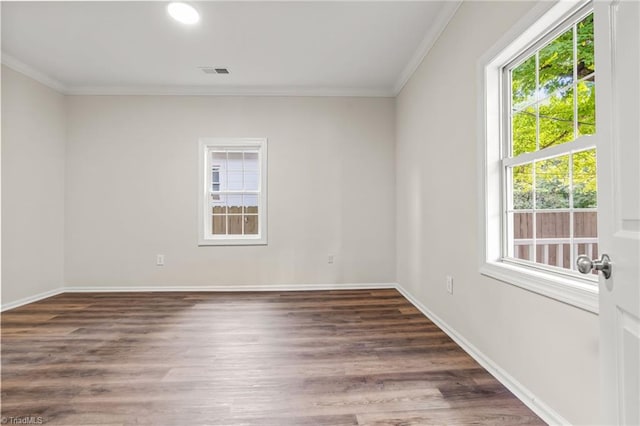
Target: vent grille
(213, 70)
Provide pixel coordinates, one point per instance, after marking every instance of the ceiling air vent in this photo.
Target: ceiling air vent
(212, 70)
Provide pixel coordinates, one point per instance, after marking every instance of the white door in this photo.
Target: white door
(617, 35)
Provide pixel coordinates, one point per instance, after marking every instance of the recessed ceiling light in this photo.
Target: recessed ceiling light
(183, 12)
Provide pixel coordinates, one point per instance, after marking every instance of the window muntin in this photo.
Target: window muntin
(549, 159)
(234, 195)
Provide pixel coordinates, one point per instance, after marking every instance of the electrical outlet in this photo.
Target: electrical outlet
(449, 284)
(160, 260)
(330, 259)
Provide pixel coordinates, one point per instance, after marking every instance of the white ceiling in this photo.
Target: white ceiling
(306, 48)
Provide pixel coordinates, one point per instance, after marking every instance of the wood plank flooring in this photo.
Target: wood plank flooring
(322, 358)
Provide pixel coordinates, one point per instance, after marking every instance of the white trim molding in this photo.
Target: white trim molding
(544, 411)
(233, 288)
(31, 299)
(168, 90)
(289, 91)
(29, 71)
(195, 288)
(579, 293)
(449, 9)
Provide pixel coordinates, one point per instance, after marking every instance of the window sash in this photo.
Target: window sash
(507, 160)
(562, 25)
(208, 147)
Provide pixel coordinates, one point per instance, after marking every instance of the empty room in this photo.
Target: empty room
(320, 213)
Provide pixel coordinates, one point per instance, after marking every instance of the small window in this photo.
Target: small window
(233, 191)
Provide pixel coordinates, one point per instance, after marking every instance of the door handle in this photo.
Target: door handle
(586, 265)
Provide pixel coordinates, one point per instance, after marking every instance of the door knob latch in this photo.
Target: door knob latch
(586, 265)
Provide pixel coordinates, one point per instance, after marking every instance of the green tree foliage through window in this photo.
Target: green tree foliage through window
(553, 102)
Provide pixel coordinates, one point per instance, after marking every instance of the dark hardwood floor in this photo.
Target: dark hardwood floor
(326, 358)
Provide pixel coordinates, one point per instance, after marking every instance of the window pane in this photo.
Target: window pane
(251, 160)
(218, 203)
(556, 63)
(553, 230)
(234, 204)
(235, 161)
(552, 225)
(522, 225)
(556, 118)
(585, 190)
(587, 107)
(523, 187)
(586, 63)
(553, 253)
(219, 224)
(219, 159)
(585, 224)
(523, 129)
(219, 210)
(552, 183)
(215, 178)
(235, 224)
(251, 180)
(234, 180)
(250, 203)
(522, 231)
(523, 84)
(251, 224)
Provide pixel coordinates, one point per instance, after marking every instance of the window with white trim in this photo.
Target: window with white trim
(233, 191)
(549, 163)
(540, 202)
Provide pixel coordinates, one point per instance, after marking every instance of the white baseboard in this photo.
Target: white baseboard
(31, 299)
(545, 412)
(221, 288)
(218, 288)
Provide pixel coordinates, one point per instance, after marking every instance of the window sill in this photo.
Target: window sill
(572, 291)
(233, 242)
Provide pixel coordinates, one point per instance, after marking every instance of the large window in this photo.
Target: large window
(550, 158)
(539, 193)
(233, 191)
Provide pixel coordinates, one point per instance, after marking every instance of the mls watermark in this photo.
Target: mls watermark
(22, 420)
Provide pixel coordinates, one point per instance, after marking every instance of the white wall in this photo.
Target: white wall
(549, 347)
(33, 158)
(132, 190)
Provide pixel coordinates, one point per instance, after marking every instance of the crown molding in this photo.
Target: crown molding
(444, 16)
(29, 71)
(449, 9)
(145, 90)
(229, 91)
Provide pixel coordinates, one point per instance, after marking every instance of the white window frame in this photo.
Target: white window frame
(205, 237)
(565, 287)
